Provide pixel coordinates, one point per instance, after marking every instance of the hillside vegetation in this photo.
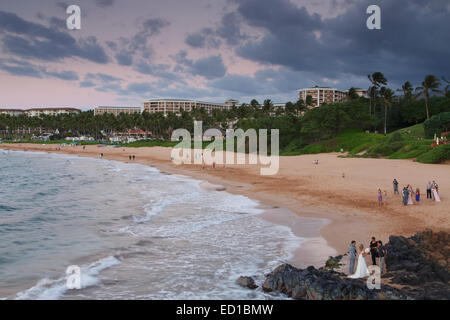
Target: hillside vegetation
(405, 143)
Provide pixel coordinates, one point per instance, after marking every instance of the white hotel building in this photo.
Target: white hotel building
(321, 95)
(175, 105)
(37, 112)
(116, 110)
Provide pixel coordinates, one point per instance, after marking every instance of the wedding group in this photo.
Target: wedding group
(376, 250)
(411, 196)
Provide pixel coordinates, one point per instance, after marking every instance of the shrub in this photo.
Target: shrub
(437, 124)
(436, 155)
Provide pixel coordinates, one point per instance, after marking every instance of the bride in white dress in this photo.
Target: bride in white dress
(361, 268)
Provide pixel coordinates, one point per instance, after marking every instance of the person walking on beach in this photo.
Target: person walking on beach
(395, 184)
(380, 198)
(381, 256)
(374, 250)
(405, 194)
(352, 255)
(429, 186)
(385, 198)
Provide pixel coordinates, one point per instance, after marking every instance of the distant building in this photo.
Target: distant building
(116, 110)
(361, 92)
(232, 102)
(175, 105)
(37, 112)
(321, 95)
(12, 112)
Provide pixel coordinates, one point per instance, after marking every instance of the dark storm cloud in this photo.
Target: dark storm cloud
(104, 3)
(196, 40)
(211, 67)
(32, 40)
(23, 68)
(158, 70)
(413, 42)
(137, 45)
(229, 30)
(124, 58)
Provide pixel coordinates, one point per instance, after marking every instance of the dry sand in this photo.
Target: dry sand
(316, 191)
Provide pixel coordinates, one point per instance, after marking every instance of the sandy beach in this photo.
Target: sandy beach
(310, 190)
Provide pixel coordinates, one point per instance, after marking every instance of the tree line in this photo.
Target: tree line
(381, 111)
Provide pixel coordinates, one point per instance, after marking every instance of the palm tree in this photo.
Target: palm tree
(352, 94)
(387, 95)
(267, 106)
(446, 91)
(431, 83)
(407, 89)
(376, 79)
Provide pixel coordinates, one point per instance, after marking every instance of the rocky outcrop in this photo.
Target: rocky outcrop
(419, 263)
(313, 284)
(246, 282)
(420, 259)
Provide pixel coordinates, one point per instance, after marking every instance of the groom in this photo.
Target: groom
(374, 250)
(352, 256)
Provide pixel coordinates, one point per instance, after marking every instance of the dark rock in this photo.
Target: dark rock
(313, 284)
(419, 262)
(419, 259)
(247, 282)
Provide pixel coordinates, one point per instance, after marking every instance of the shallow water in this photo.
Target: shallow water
(135, 233)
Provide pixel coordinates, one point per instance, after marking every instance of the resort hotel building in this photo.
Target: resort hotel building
(175, 105)
(12, 112)
(116, 110)
(37, 112)
(321, 95)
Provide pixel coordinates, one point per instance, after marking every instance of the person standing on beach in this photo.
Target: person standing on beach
(380, 198)
(385, 198)
(352, 255)
(374, 250)
(410, 195)
(381, 256)
(395, 184)
(429, 186)
(417, 196)
(405, 194)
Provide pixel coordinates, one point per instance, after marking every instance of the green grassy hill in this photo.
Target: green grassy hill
(406, 143)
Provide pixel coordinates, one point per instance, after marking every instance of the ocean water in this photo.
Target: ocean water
(135, 232)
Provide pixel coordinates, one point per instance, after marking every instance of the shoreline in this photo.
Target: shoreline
(310, 193)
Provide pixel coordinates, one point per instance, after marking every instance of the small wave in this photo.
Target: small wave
(53, 289)
(6, 208)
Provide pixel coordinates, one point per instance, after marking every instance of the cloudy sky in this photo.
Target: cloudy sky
(128, 51)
